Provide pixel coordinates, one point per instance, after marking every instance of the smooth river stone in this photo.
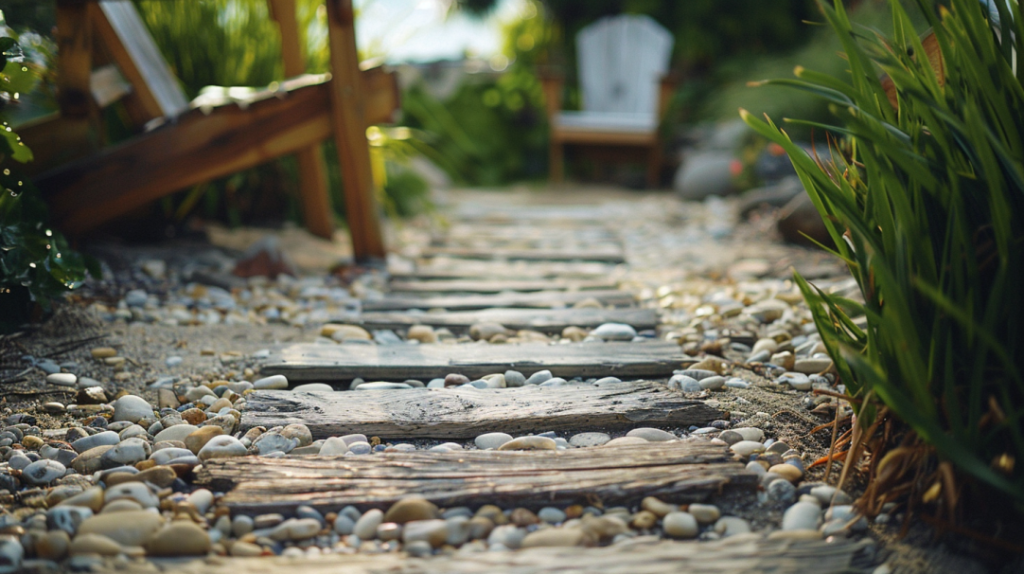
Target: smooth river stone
(180, 538)
(750, 433)
(491, 440)
(313, 387)
(806, 366)
(652, 434)
(42, 472)
(104, 438)
(129, 528)
(272, 382)
(530, 443)
(802, 516)
(62, 379)
(747, 447)
(223, 446)
(587, 439)
(132, 408)
(614, 332)
(680, 525)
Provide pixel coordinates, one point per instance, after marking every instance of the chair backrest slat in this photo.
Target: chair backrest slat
(621, 59)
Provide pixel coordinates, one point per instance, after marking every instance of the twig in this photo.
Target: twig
(35, 393)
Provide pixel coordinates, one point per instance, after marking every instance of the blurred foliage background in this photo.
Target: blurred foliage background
(490, 128)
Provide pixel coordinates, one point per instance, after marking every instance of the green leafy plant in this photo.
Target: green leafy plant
(925, 203)
(36, 263)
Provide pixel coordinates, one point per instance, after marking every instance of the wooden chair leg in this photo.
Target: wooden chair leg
(557, 158)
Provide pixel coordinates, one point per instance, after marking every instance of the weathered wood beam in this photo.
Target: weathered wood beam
(74, 58)
(317, 212)
(675, 471)
(201, 145)
(497, 286)
(540, 299)
(602, 255)
(457, 413)
(349, 122)
(544, 320)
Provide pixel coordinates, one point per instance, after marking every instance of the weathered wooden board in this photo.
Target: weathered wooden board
(312, 362)
(497, 270)
(741, 554)
(675, 471)
(464, 413)
(603, 255)
(540, 299)
(544, 320)
(492, 286)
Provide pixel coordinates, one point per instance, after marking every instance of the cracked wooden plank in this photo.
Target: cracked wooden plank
(544, 320)
(541, 299)
(496, 286)
(602, 255)
(314, 362)
(676, 471)
(464, 413)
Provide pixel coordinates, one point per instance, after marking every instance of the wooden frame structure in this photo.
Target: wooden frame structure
(181, 147)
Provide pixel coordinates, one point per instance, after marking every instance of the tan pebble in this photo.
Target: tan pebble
(657, 506)
(122, 376)
(603, 528)
(180, 538)
(193, 416)
(712, 364)
(342, 332)
(625, 440)
(409, 509)
(32, 442)
(145, 464)
(787, 471)
(94, 544)
(199, 437)
(245, 549)
(129, 528)
(421, 333)
(121, 505)
(100, 353)
(573, 333)
(555, 537)
(207, 352)
(523, 517)
(114, 361)
(492, 513)
(91, 498)
(644, 520)
(53, 545)
(219, 404)
(574, 511)
(480, 527)
(530, 443)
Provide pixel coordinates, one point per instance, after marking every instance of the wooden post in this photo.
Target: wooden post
(74, 58)
(316, 202)
(349, 126)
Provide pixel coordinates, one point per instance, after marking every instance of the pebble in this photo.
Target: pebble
(132, 408)
(801, 516)
(53, 545)
(334, 446)
(382, 386)
(129, 528)
(704, 513)
(278, 382)
(366, 526)
(652, 434)
(712, 383)
(551, 515)
(223, 446)
(812, 366)
(790, 472)
(530, 443)
(244, 549)
(313, 388)
(746, 447)
(589, 439)
(42, 472)
(657, 506)
(514, 379)
(750, 433)
(798, 381)
(62, 379)
(177, 433)
(242, 525)
(434, 532)
(295, 529)
(492, 440)
(608, 381)
(127, 452)
(180, 538)
(421, 333)
(731, 525)
(507, 536)
(136, 491)
(685, 383)
(340, 332)
(100, 353)
(539, 377)
(614, 332)
(828, 495)
(782, 492)
(626, 440)
(67, 518)
(554, 537)
(344, 525)
(410, 509)
(88, 544)
(680, 525)
(202, 499)
(486, 331)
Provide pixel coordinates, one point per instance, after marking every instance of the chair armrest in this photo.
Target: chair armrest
(551, 82)
(666, 87)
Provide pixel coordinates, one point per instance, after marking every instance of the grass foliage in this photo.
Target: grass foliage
(926, 205)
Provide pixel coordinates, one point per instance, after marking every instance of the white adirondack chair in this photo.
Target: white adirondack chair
(623, 61)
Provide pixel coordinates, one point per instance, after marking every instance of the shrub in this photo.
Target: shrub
(925, 203)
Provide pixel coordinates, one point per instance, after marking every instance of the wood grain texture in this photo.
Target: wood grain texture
(604, 255)
(742, 554)
(675, 471)
(544, 320)
(312, 362)
(541, 299)
(202, 144)
(462, 413)
(485, 286)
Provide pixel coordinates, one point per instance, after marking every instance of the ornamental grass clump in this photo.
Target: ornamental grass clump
(923, 195)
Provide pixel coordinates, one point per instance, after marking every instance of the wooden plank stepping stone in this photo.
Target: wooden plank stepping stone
(305, 362)
(741, 554)
(491, 286)
(542, 299)
(544, 320)
(484, 270)
(675, 471)
(458, 413)
(603, 255)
